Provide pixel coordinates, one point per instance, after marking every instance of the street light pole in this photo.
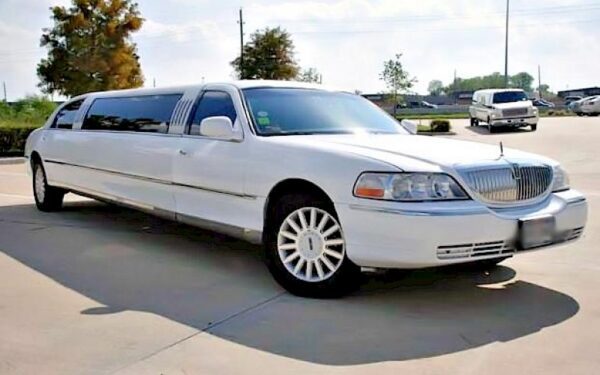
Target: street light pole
(506, 46)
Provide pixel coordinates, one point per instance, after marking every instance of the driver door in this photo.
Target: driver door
(208, 173)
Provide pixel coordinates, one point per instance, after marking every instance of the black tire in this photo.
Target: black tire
(51, 199)
(343, 280)
(473, 121)
(533, 127)
(491, 129)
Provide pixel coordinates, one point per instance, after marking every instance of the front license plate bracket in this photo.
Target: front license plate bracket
(536, 232)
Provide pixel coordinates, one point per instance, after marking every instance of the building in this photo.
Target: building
(588, 91)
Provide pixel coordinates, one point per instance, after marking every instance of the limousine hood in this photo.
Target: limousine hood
(421, 151)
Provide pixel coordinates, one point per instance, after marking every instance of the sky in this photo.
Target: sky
(347, 41)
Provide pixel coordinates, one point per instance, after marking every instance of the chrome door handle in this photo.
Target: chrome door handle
(182, 152)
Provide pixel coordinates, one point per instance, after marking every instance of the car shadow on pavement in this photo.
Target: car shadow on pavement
(483, 130)
(125, 260)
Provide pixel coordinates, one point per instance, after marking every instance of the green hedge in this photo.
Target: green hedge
(12, 138)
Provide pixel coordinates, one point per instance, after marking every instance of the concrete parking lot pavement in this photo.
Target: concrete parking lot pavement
(102, 289)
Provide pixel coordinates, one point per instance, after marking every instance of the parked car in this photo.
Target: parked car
(324, 179)
(418, 104)
(573, 98)
(591, 106)
(503, 107)
(542, 103)
(577, 106)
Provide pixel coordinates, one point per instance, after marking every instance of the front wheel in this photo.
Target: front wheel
(533, 127)
(47, 198)
(306, 249)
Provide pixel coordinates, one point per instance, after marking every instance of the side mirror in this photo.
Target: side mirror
(411, 126)
(217, 127)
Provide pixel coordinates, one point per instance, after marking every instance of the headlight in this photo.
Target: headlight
(534, 110)
(561, 179)
(408, 187)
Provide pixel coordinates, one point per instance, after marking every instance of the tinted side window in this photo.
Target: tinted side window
(149, 113)
(212, 103)
(66, 116)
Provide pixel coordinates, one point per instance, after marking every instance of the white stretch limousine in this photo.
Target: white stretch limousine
(327, 181)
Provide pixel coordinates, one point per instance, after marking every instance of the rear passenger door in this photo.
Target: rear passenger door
(209, 173)
(123, 150)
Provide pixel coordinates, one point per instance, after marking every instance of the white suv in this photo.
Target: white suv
(503, 107)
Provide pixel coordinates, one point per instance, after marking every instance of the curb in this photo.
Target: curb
(17, 160)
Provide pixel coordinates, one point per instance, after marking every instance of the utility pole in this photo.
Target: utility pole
(241, 22)
(506, 46)
(539, 82)
(4, 88)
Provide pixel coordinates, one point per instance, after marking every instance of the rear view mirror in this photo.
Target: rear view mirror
(410, 126)
(217, 127)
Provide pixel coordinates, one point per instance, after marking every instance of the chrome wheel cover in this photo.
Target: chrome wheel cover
(311, 244)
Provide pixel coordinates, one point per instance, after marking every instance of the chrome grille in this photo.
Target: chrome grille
(509, 184)
(511, 112)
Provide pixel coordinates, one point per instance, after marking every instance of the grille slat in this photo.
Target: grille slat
(511, 183)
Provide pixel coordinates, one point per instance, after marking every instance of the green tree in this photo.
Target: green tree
(268, 55)
(490, 81)
(89, 48)
(309, 75)
(435, 87)
(396, 78)
(522, 80)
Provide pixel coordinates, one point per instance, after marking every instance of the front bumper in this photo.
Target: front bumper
(515, 121)
(417, 235)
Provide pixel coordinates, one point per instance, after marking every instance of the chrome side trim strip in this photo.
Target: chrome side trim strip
(438, 212)
(152, 179)
(250, 235)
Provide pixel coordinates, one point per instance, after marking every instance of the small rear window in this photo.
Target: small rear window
(66, 116)
(148, 113)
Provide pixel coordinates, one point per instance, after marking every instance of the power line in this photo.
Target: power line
(430, 18)
(540, 11)
(515, 26)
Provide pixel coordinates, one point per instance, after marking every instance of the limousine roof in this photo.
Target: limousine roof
(241, 84)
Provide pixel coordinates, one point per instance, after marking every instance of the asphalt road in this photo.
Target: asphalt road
(100, 289)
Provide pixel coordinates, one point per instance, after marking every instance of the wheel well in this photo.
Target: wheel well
(290, 186)
(35, 158)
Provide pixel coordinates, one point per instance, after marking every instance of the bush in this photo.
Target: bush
(12, 138)
(32, 110)
(440, 126)
(559, 112)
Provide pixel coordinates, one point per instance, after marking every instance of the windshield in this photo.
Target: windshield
(509, 97)
(290, 111)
